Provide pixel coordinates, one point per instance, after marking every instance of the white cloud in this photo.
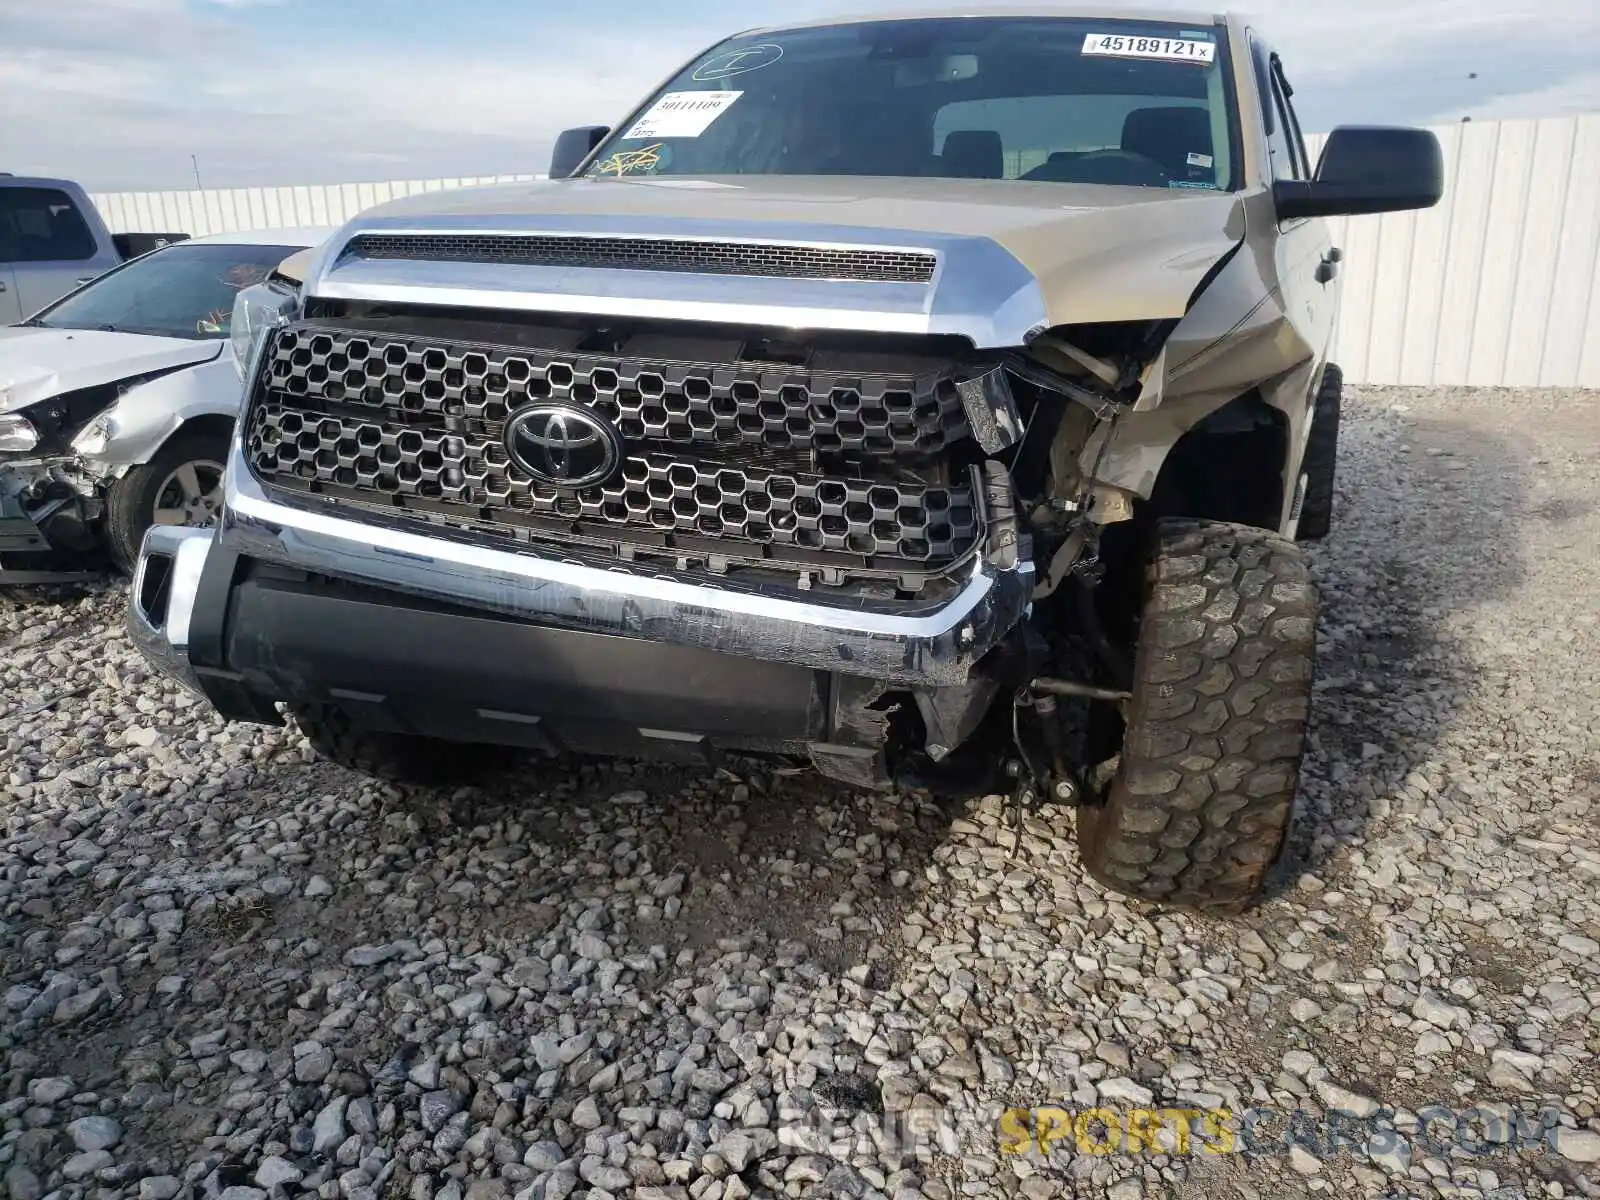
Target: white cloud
(127, 106)
(120, 93)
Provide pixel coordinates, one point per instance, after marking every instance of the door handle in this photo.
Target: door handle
(2, 285)
(1328, 268)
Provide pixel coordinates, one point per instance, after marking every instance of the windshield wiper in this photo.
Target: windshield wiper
(105, 327)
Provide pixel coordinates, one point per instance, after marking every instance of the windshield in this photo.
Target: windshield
(1135, 103)
(184, 291)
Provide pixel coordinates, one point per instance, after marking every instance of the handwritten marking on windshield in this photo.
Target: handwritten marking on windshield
(629, 162)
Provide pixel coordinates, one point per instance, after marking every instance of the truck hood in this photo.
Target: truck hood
(37, 363)
(1030, 253)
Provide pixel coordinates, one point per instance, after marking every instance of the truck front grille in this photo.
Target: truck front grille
(764, 465)
(655, 491)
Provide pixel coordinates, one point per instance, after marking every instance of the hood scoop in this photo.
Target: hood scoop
(772, 260)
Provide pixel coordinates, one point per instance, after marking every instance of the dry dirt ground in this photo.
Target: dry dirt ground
(230, 971)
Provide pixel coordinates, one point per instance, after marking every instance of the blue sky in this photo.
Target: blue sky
(119, 93)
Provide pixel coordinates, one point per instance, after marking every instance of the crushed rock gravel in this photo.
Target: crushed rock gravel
(228, 971)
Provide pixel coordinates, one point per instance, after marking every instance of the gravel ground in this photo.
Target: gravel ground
(230, 971)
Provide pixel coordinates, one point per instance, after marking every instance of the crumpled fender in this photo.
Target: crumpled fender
(1136, 261)
(147, 415)
(1236, 337)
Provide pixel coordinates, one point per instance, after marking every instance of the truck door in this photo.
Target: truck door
(10, 310)
(1307, 268)
(1303, 245)
(52, 249)
(10, 307)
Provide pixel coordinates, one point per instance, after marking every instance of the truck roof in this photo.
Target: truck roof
(1101, 11)
(7, 179)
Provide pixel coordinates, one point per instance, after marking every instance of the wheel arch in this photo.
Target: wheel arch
(1174, 459)
(146, 418)
(217, 424)
(1232, 465)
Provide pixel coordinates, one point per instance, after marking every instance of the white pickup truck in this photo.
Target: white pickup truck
(52, 240)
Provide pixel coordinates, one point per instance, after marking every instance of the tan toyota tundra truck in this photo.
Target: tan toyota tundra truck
(930, 398)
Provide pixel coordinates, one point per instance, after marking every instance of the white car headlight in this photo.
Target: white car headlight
(257, 309)
(17, 433)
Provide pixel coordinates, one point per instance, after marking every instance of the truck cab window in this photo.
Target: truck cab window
(42, 225)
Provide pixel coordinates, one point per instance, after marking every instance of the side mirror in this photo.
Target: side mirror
(1367, 169)
(572, 147)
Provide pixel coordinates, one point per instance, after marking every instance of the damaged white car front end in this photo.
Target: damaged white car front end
(78, 408)
(100, 390)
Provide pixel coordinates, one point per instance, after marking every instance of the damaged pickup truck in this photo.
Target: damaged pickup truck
(920, 396)
(117, 404)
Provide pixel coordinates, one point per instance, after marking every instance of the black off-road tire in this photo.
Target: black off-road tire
(396, 757)
(1321, 459)
(131, 500)
(1203, 794)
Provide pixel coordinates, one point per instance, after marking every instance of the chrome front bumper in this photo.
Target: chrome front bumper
(929, 646)
(161, 603)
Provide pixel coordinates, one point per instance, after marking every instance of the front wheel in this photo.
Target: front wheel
(180, 485)
(1203, 792)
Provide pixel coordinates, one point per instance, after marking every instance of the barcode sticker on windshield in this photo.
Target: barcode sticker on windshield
(1121, 45)
(682, 115)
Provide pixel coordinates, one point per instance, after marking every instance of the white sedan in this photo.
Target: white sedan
(117, 402)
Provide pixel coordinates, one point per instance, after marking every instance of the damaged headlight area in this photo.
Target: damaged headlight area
(1100, 367)
(256, 310)
(77, 423)
(17, 434)
(47, 428)
(50, 503)
(1048, 410)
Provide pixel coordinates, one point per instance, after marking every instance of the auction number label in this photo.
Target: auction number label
(1121, 45)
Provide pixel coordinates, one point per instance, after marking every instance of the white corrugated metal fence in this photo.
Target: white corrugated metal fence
(1498, 286)
(228, 210)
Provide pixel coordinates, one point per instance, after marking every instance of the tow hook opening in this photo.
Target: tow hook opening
(154, 592)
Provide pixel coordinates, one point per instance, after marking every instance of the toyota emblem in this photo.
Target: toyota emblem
(564, 444)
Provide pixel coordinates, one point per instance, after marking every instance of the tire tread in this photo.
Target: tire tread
(1201, 802)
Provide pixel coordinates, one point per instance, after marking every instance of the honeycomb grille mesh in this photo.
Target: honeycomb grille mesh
(402, 424)
(657, 401)
(772, 260)
(655, 491)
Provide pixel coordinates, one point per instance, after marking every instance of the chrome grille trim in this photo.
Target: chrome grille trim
(773, 260)
(925, 640)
